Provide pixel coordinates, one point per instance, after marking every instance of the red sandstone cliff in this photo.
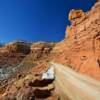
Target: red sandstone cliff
(81, 46)
(80, 50)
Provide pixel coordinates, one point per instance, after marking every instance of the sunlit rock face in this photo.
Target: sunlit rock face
(81, 47)
(13, 53)
(24, 63)
(16, 47)
(17, 60)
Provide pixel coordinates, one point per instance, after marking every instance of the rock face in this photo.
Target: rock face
(13, 53)
(18, 59)
(74, 14)
(21, 63)
(16, 47)
(81, 47)
(30, 88)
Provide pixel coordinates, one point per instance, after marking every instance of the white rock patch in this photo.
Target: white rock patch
(49, 74)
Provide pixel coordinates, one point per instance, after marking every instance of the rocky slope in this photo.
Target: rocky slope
(18, 59)
(81, 47)
(21, 64)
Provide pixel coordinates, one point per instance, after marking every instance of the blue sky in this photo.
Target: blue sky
(36, 20)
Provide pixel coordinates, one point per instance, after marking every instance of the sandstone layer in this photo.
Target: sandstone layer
(21, 64)
(81, 47)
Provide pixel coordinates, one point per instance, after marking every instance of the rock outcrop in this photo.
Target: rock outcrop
(81, 47)
(18, 59)
(21, 63)
(31, 88)
(16, 47)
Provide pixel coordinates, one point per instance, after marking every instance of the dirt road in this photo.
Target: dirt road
(74, 86)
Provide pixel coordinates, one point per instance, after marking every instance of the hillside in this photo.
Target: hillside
(81, 47)
(22, 65)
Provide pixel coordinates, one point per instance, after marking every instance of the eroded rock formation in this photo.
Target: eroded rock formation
(81, 47)
(21, 63)
(19, 58)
